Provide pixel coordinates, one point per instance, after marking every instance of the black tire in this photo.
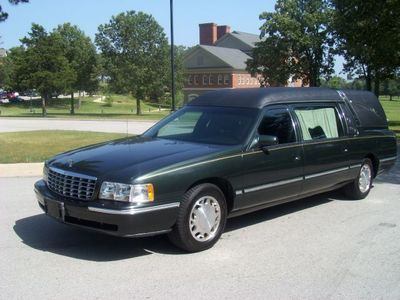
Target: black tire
(353, 190)
(183, 234)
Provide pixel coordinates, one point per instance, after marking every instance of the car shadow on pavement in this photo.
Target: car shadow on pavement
(392, 175)
(45, 234)
(271, 213)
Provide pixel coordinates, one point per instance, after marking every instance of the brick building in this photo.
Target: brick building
(219, 61)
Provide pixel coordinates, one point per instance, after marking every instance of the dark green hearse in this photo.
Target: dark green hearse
(224, 154)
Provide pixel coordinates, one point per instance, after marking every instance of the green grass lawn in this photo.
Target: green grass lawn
(123, 107)
(392, 110)
(37, 146)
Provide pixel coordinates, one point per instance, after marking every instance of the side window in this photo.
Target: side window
(319, 122)
(277, 122)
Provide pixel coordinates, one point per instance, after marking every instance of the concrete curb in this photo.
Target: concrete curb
(21, 170)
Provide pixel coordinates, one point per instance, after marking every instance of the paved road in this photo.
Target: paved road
(17, 124)
(323, 247)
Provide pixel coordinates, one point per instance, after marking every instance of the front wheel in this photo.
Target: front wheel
(360, 187)
(201, 219)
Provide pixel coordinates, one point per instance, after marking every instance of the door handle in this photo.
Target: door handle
(297, 158)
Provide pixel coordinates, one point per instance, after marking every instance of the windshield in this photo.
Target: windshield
(211, 125)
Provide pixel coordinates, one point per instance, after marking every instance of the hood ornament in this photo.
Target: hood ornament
(70, 163)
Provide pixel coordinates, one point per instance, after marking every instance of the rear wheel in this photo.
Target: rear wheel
(360, 187)
(201, 219)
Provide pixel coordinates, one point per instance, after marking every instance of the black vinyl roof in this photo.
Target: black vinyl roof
(364, 105)
(260, 97)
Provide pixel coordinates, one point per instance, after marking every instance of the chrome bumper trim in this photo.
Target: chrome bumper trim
(133, 211)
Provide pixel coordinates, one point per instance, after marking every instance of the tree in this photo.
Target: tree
(43, 64)
(4, 15)
(272, 58)
(135, 50)
(8, 78)
(82, 57)
(336, 82)
(5, 70)
(368, 32)
(179, 53)
(297, 44)
(391, 87)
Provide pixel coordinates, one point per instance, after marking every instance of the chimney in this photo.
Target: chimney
(221, 30)
(208, 33)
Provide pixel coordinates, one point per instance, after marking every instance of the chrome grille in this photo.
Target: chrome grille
(70, 184)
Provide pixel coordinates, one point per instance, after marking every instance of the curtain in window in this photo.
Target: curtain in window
(317, 123)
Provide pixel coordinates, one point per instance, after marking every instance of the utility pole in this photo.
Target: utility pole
(171, 9)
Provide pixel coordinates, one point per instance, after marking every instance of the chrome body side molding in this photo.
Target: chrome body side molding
(273, 184)
(325, 173)
(388, 159)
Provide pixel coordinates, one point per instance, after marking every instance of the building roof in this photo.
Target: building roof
(247, 38)
(258, 98)
(233, 57)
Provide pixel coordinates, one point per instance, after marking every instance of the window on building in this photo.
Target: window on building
(247, 81)
(226, 79)
(220, 79)
(211, 79)
(190, 80)
(196, 79)
(205, 79)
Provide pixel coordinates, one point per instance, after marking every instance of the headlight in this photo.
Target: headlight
(137, 193)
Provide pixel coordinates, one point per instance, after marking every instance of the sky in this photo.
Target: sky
(241, 15)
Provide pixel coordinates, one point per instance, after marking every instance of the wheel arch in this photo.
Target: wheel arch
(375, 162)
(224, 185)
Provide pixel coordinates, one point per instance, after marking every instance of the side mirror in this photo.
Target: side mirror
(267, 140)
(353, 131)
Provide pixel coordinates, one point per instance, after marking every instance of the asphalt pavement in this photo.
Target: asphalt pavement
(324, 247)
(117, 126)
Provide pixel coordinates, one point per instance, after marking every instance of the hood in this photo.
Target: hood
(126, 159)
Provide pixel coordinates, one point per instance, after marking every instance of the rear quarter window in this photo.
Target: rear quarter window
(318, 123)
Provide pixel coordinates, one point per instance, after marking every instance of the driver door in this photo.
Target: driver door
(275, 172)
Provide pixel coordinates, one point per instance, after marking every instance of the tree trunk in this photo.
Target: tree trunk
(79, 99)
(368, 80)
(44, 100)
(314, 80)
(72, 104)
(138, 108)
(377, 84)
(391, 97)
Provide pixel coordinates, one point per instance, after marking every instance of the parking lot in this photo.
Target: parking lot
(324, 247)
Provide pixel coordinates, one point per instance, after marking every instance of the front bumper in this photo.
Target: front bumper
(127, 222)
